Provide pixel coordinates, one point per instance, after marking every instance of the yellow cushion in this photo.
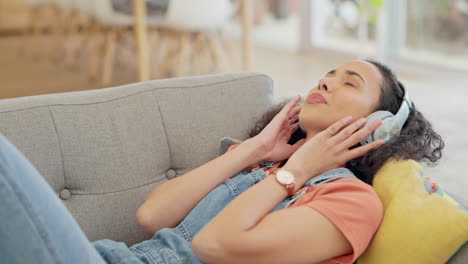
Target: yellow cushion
(418, 227)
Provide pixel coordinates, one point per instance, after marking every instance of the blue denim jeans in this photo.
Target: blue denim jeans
(37, 228)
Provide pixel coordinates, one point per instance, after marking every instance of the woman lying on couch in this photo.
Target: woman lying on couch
(285, 195)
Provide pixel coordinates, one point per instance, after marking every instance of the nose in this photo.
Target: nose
(324, 87)
(324, 84)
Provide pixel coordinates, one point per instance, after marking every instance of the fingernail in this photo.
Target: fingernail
(348, 118)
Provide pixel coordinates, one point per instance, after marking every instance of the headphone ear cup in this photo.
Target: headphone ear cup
(385, 130)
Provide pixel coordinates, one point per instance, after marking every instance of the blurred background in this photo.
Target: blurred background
(51, 46)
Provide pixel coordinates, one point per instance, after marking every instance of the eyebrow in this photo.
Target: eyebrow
(332, 72)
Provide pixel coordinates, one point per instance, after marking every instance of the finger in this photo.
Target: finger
(281, 117)
(290, 105)
(294, 127)
(285, 126)
(294, 111)
(346, 132)
(362, 150)
(333, 129)
(293, 114)
(293, 120)
(361, 134)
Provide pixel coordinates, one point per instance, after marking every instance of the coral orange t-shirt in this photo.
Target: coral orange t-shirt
(353, 206)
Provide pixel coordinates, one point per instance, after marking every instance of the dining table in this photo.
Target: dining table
(142, 46)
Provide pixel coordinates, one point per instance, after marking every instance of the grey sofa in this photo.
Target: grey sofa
(104, 150)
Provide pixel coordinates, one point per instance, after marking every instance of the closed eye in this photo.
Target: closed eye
(350, 84)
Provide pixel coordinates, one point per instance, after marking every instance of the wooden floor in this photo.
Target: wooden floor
(23, 73)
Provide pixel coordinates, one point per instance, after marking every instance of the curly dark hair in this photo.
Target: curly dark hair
(417, 140)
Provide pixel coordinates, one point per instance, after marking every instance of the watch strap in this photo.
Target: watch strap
(289, 187)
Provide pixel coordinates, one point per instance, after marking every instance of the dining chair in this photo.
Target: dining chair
(192, 39)
(113, 25)
(37, 21)
(187, 39)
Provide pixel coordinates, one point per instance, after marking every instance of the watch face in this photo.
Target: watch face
(285, 177)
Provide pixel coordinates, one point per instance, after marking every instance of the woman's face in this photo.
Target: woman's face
(352, 89)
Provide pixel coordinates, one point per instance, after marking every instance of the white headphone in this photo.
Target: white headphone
(391, 124)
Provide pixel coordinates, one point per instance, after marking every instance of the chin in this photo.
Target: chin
(314, 123)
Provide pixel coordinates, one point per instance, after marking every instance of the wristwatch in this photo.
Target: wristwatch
(287, 179)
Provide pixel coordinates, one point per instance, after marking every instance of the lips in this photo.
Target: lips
(316, 98)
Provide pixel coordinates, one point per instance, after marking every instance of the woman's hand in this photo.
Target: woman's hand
(273, 140)
(330, 148)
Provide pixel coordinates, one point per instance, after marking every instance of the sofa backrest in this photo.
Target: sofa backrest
(104, 150)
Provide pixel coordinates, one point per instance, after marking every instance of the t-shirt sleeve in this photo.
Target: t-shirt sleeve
(353, 206)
